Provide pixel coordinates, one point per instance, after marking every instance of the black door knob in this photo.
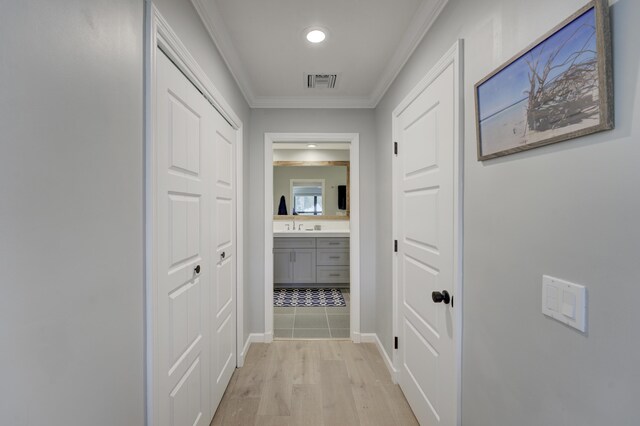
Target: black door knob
(441, 297)
(197, 269)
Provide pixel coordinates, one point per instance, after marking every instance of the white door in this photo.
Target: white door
(184, 268)
(425, 230)
(223, 252)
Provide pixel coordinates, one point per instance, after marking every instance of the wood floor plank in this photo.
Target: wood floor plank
(306, 408)
(330, 350)
(240, 411)
(372, 406)
(222, 409)
(305, 367)
(359, 367)
(273, 421)
(375, 362)
(338, 405)
(313, 383)
(252, 375)
(276, 392)
(399, 406)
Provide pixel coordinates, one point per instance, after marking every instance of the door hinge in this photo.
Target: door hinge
(395, 148)
(395, 246)
(395, 342)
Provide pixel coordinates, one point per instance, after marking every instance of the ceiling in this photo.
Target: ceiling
(263, 43)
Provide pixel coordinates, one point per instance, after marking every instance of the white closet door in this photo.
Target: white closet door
(223, 252)
(425, 224)
(183, 244)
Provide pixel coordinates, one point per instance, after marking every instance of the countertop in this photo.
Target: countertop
(311, 234)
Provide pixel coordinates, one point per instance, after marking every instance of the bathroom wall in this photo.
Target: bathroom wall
(569, 210)
(310, 121)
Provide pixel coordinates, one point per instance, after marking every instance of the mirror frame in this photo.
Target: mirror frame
(316, 164)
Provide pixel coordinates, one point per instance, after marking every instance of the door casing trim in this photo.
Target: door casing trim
(453, 56)
(354, 158)
(158, 34)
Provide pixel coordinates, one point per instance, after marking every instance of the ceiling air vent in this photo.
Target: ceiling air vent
(321, 81)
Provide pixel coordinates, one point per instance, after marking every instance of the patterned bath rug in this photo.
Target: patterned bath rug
(290, 297)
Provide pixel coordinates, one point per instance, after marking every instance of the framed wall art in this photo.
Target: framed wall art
(558, 88)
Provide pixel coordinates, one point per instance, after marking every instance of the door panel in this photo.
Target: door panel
(304, 266)
(223, 252)
(184, 228)
(282, 266)
(185, 409)
(184, 143)
(224, 289)
(182, 293)
(224, 211)
(425, 256)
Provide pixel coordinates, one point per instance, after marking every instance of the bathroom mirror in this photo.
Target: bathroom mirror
(311, 189)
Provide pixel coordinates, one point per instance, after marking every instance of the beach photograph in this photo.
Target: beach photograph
(549, 91)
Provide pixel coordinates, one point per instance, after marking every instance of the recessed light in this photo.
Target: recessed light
(312, 146)
(316, 36)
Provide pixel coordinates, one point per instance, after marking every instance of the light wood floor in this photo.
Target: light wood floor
(313, 382)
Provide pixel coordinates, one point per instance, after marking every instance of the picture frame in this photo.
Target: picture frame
(558, 88)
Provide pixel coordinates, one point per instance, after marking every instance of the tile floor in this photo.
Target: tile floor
(312, 322)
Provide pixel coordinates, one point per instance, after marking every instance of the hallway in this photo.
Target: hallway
(313, 383)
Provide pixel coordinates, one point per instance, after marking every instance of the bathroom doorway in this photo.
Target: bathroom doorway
(311, 237)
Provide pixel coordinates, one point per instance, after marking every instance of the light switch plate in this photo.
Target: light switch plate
(565, 302)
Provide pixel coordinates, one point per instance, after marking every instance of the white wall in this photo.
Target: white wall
(570, 210)
(71, 215)
(71, 230)
(311, 121)
(185, 21)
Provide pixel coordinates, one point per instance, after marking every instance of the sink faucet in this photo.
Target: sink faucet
(288, 227)
(300, 227)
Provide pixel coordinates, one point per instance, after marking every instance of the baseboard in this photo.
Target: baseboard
(368, 337)
(251, 338)
(373, 338)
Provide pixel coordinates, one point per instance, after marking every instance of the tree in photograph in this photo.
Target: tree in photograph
(562, 93)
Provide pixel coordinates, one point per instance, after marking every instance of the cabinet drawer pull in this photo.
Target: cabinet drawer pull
(333, 243)
(334, 257)
(334, 275)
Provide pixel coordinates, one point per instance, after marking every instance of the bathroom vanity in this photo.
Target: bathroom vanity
(311, 258)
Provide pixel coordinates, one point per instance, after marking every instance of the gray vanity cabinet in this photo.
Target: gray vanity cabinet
(294, 261)
(332, 261)
(321, 261)
(282, 270)
(304, 266)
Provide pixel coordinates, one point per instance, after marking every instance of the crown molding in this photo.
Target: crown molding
(217, 29)
(420, 24)
(311, 102)
(212, 19)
